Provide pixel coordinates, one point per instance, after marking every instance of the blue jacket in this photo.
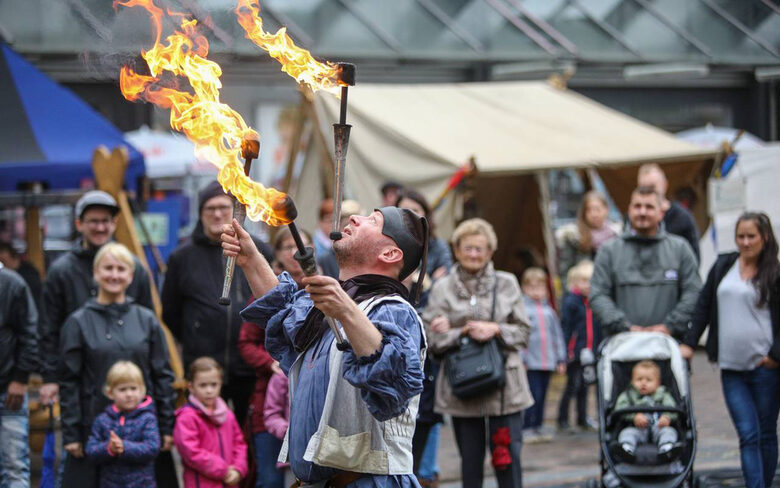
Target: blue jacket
(141, 438)
(579, 332)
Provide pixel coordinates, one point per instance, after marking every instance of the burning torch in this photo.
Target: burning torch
(305, 256)
(346, 78)
(250, 149)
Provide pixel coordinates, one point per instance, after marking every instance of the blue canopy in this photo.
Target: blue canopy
(47, 133)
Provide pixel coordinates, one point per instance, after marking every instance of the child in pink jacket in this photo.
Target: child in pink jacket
(276, 413)
(206, 434)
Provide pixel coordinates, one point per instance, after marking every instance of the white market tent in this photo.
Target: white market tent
(420, 134)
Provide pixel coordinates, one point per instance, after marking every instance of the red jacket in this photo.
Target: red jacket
(251, 346)
(209, 443)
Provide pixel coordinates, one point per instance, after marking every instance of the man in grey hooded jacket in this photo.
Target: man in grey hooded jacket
(646, 279)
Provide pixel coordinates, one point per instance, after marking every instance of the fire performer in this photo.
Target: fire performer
(346, 399)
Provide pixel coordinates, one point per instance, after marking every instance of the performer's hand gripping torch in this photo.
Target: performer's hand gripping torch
(250, 149)
(305, 257)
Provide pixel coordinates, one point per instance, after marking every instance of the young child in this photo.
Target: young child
(276, 415)
(646, 389)
(206, 434)
(125, 438)
(582, 335)
(545, 352)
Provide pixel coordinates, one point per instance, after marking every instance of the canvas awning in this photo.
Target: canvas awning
(420, 134)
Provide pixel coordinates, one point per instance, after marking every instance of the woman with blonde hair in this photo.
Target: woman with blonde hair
(108, 328)
(581, 240)
(477, 302)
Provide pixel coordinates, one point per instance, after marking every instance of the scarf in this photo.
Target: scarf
(359, 289)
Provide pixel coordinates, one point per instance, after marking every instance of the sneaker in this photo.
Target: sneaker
(668, 452)
(531, 436)
(564, 427)
(545, 435)
(625, 453)
(589, 425)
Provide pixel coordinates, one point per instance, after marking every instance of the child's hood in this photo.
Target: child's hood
(195, 407)
(146, 406)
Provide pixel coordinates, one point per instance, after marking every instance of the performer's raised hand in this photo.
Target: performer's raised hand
(328, 296)
(237, 243)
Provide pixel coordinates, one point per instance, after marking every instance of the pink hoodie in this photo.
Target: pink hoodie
(276, 412)
(209, 442)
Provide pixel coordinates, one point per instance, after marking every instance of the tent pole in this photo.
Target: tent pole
(109, 169)
(547, 231)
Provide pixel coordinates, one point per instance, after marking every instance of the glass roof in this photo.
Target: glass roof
(735, 32)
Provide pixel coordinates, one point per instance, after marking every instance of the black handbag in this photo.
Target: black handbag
(476, 368)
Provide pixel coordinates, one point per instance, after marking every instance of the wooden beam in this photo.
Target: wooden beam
(32, 221)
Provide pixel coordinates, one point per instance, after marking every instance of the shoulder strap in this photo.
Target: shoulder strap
(495, 294)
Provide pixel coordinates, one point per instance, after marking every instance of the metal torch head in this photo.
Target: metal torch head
(284, 208)
(250, 146)
(346, 74)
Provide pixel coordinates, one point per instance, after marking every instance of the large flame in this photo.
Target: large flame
(214, 128)
(295, 61)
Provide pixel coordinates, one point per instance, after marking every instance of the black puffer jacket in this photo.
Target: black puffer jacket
(93, 339)
(18, 334)
(69, 285)
(193, 284)
(706, 312)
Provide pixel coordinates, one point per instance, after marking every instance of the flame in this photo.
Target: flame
(214, 128)
(295, 61)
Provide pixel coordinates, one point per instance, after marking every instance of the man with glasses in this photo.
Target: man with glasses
(190, 294)
(69, 281)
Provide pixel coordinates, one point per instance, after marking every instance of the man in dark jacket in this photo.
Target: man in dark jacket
(19, 350)
(193, 284)
(70, 283)
(677, 219)
(646, 279)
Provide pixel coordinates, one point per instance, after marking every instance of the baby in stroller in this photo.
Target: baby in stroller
(646, 390)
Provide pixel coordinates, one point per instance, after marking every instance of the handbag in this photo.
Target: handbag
(476, 368)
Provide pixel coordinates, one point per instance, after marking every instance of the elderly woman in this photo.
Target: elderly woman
(740, 303)
(108, 328)
(477, 301)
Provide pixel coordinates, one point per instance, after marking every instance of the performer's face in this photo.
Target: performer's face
(361, 239)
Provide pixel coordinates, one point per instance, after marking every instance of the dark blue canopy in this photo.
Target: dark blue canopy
(47, 133)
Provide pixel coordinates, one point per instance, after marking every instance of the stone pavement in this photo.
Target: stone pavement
(570, 459)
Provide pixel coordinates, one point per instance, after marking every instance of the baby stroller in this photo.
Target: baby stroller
(618, 356)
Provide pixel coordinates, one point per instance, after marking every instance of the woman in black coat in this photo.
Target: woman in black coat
(108, 328)
(740, 303)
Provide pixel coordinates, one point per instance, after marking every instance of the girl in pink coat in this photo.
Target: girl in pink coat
(206, 434)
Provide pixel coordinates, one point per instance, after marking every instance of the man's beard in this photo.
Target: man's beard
(348, 253)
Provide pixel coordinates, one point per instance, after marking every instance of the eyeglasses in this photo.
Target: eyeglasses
(218, 208)
(474, 249)
(98, 222)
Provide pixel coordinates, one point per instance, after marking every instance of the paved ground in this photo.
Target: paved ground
(572, 458)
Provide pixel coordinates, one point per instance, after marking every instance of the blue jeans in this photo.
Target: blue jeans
(429, 468)
(753, 400)
(538, 381)
(14, 451)
(267, 449)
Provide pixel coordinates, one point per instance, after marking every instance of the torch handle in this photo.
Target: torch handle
(239, 213)
(341, 139)
(305, 257)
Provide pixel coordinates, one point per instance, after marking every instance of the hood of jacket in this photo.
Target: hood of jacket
(146, 405)
(217, 416)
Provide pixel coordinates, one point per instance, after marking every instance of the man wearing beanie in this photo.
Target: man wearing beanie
(69, 281)
(193, 284)
(354, 405)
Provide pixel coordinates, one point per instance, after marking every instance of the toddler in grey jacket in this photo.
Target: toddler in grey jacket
(656, 427)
